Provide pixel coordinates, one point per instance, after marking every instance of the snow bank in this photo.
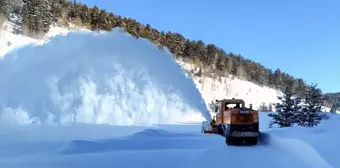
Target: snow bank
(86, 77)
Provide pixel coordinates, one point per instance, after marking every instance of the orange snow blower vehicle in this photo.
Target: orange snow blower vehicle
(234, 121)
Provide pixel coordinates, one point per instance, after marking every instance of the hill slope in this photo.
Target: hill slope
(216, 73)
(210, 87)
(212, 61)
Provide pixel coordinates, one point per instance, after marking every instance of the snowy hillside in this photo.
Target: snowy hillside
(232, 87)
(209, 88)
(11, 36)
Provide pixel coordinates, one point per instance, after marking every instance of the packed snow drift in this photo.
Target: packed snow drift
(89, 77)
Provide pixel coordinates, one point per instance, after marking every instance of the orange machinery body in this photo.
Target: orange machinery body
(236, 123)
(233, 120)
(235, 116)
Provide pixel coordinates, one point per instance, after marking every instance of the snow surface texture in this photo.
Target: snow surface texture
(166, 146)
(86, 77)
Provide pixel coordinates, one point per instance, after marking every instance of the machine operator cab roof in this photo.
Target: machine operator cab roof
(233, 111)
(230, 104)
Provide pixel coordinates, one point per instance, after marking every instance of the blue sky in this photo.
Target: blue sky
(301, 37)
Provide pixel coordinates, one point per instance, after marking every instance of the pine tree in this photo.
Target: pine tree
(332, 100)
(36, 17)
(311, 114)
(37, 12)
(103, 17)
(26, 18)
(95, 18)
(333, 109)
(46, 15)
(270, 107)
(12, 6)
(285, 111)
(219, 65)
(56, 10)
(297, 108)
(85, 15)
(212, 106)
(2, 6)
(278, 79)
(2, 12)
(263, 108)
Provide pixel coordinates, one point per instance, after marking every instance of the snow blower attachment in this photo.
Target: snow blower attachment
(238, 124)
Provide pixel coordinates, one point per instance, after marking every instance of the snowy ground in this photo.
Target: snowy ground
(105, 146)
